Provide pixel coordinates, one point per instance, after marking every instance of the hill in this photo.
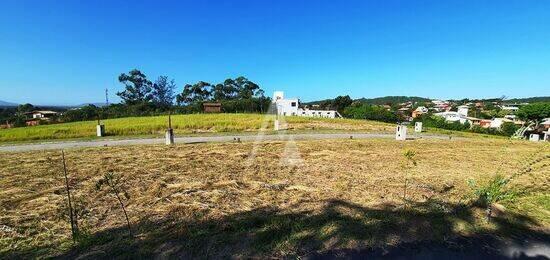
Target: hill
(392, 100)
(7, 104)
(376, 101)
(528, 100)
(99, 104)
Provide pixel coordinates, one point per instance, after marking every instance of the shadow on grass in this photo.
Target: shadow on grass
(340, 229)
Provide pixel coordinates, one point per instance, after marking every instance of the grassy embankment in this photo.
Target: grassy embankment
(212, 200)
(184, 124)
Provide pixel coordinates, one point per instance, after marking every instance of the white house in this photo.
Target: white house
(41, 114)
(463, 110)
(510, 108)
(285, 107)
(453, 116)
(290, 107)
(497, 122)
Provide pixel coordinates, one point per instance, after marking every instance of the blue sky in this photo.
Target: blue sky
(68, 52)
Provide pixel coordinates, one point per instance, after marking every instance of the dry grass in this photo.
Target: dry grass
(210, 200)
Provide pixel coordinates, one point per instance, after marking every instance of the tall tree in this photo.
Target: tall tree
(341, 102)
(163, 92)
(225, 91)
(535, 112)
(25, 108)
(197, 92)
(246, 88)
(138, 87)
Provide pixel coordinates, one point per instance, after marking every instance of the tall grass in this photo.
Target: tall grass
(182, 124)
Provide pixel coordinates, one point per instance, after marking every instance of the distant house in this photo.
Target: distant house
(290, 107)
(485, 123)
(440, 105)
(41, 114)
(36, 117)
(497, 122)
(546, 124)
(212, 107)
(510, 108)
(463, 110)
(419, 111)
(453, 116)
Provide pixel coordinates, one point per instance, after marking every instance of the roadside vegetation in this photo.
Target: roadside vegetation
(211, 201)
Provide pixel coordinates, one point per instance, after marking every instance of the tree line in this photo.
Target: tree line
(161, 93)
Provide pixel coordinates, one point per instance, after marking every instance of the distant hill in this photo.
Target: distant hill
(392, 100)
(7, 104)
(378, 100)
(95, 104)
(528, 100)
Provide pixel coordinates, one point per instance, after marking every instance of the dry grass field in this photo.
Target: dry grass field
(216, 201)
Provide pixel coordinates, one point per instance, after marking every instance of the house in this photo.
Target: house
(41, 114)
(285, 107)
(419, 111)
(212, 107)
(497, 122)
(546, 124)
(510, 107)
(485, 123)
(463, 110)
(440, 105)
(36, 117)
(453, 116)
(290, 107)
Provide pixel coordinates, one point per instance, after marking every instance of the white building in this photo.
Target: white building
(290, 107)
(510, 108)
(285, 107)
(41, 114)
(463, 110)
(421, 109)
(497, 122)
(453, 116)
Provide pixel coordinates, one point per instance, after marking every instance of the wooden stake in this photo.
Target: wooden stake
(73, 225)
(170, 120)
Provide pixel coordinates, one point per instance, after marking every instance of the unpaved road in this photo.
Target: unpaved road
(198, 139)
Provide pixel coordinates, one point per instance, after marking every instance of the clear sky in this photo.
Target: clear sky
(68, 52)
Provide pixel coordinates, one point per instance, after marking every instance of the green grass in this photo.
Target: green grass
(182, 124)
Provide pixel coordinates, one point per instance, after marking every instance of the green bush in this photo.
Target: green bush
(370, 112)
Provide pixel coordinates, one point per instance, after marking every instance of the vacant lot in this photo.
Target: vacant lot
(267, 199)
(184, 124)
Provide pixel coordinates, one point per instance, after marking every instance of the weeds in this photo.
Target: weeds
(409, 164)
(116, 189)
(493, 192)
(496, 190)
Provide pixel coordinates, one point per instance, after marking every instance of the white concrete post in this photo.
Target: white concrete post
(418, 127)
(547, 136)
(169, 136)
(276, 125)
(100, 130)
(401, 132)
(534, 137)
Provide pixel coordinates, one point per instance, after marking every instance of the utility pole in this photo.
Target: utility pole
(107, 96)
